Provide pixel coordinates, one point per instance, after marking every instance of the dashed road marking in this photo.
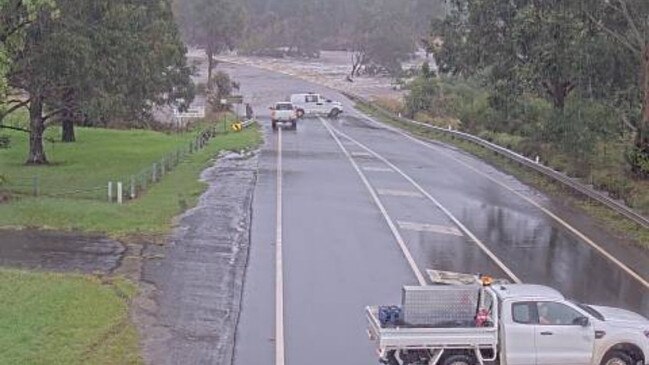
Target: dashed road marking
(424, 227)
(379, 204)
(399, 193)
(553, 216)
(377, 169)
(456, 221)
(361, 154)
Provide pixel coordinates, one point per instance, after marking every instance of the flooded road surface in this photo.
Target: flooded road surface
(59, 251)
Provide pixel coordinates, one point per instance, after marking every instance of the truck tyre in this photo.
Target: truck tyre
(334, 113)
(274, 122)
(294, 124)
(299, 113)
(459, 360)
(617, 358)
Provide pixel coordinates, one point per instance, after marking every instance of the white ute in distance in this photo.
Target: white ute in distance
(315, 104)
(284, 113)
(505, 324)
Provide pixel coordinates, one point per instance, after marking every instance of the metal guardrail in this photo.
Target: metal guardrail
(602, 198)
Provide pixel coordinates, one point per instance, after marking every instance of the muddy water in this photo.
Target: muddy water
(59, 251)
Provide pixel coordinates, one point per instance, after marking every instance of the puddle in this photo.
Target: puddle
(59, 251)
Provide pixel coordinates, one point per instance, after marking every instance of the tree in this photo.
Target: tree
(625, 22)
(215, 25)
(101, 58)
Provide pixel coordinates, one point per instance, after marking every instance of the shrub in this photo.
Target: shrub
(5, 142)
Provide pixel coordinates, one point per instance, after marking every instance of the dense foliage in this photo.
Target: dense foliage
(585, 59)
(92, 61)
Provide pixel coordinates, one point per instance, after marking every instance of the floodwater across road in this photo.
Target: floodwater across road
(340, 253)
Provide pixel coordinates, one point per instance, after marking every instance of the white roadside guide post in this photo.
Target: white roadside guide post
(110, 191)
(119, 192)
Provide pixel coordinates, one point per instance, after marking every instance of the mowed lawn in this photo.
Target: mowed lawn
(99, 156)
(53, 319)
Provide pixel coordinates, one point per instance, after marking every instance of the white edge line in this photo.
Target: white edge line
(279, 270)
(379, 204)
(459, 224)
(575, 231)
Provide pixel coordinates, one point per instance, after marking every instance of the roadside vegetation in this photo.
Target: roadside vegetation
(564, 82)
(110, 154)
(65, 319)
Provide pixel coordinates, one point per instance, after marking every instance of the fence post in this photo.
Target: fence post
(119, 193)
(144, 180)
(110, 191)
(154, 172)
(133, 187)
(162, 168)
(35, 188)
(191, 147)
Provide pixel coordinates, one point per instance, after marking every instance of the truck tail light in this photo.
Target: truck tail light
(599, 335)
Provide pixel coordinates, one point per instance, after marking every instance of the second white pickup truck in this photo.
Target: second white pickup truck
(506, 324)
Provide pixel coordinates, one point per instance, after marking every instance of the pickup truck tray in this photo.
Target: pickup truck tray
(408, 337)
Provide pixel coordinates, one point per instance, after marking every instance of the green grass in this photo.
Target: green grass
(610, 219)
(66, 319)
(89, 161)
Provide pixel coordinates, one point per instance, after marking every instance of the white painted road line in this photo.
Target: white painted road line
(377, 169)
(399, 193)
(459, 224)
(279, 267)
(553, 216)
(379, 204)
(361, 154)
(432, 228)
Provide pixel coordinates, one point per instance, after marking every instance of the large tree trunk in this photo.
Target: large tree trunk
(68, 117)
(67, 129)
(37, 127)
(558, 92)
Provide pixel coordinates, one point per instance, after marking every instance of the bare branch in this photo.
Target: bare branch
(620, 38)
(14, 108)
(15, 128)
(625, 11)
(54, 113)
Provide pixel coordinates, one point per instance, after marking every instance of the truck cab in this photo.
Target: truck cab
(539, 326)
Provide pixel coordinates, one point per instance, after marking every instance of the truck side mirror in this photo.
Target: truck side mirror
(582, 321)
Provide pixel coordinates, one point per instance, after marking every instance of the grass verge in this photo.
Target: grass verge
(65, 319)
(150, 214)
(610, 219)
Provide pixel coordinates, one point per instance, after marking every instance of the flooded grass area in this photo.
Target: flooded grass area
(48, 318)
(150, 214)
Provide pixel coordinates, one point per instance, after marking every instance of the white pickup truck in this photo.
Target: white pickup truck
(506, 324)
(284, 113)
(315, 104)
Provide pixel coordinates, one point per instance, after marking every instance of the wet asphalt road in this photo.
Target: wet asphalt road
(340, 255)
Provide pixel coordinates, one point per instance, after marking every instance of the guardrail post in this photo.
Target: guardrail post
(119, 193)
(110, 191)
(538, 159)
(154, 172)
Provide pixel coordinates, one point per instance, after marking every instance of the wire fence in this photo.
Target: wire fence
(120, 188)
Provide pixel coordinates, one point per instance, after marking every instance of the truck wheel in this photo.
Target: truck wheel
(459, 360)
(334, 113)
(617, 358)
(274, 122)
(294, 124)
(299, 113)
